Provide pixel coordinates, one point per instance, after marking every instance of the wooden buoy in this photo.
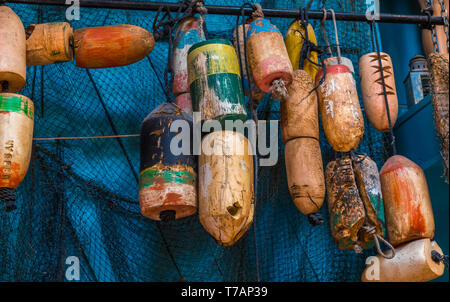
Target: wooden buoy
(12, 51)
(344, 61)
(16, 138)
(257, 94)
(412, 263)
(167, 183)
(347, 214)
(427, 39)
(369, 187)
(372, 90)
(215, 81)
(341, 113)
(111, 46)
(439, 64)
(300, 110)
(184, 102)
(267, 55)
(407, 204)
(49, 43)
(304, 170)
(189, 32)
(295, 39)
(226, 196)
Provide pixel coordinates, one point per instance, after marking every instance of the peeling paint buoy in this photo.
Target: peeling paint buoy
(184, 101)
(167, 183)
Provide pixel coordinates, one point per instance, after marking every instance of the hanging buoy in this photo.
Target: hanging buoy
(12, 51)
(346, 209)
(340, 110)
(189, 32)
(167, 183)
(344, 61)
(215, 81)
(49, 43)
(16, 138)
(439, 64)
(111, 46)
(409, 215)
(295, 39)
(184, 102)
(267, 56)
(412, 263)
(441, 37)
(257, 94)
(373, 93)
(226, 196)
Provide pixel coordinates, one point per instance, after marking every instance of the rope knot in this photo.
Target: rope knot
(279, 90)
(257, 12)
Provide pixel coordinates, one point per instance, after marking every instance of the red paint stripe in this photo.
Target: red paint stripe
(332, 69)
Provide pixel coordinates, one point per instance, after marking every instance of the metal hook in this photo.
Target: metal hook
(336, 35)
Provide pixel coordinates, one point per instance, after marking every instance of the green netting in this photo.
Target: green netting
(80, 197)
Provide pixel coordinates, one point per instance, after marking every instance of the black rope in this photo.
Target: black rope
(437, 257)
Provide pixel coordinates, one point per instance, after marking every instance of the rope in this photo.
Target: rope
(370, 229)
(8, 196)
(257, 12)
(437, 257)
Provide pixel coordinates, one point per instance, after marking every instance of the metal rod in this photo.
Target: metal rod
(235, 10)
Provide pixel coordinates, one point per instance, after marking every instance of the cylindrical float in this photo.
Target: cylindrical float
(347, 214)
(215, 81)
(49, 43)
(257, 94)
(372, 90)
(300, 110)
(184, 102)
(295, 39)
(12, 51)
(412, 263)
(167, 183)
(304, 171)
(407, 204)
(16, 138)
(226, 195)
(439, 64)
(344, 61)
(341, 113)
(427, 39)
(267, 55)
(189, 32)
(111, 46)
(369, 187)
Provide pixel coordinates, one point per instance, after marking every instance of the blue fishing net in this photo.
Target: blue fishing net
(80, 197)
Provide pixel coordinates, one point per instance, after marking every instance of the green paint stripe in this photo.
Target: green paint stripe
(148, 177)
(16, 104)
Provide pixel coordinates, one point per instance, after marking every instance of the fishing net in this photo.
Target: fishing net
(80, 197)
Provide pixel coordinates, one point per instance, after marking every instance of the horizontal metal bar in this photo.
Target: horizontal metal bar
(235, 10)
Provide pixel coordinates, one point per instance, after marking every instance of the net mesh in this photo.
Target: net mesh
(80, 197)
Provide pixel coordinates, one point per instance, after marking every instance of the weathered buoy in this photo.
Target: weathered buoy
(184, 102)
(441, 37)
(340, 110)
(373, 93)
(304, 170)
(226, 196)
(295, 39)
(12, 51)
(347, 214)
(111, 46)
(189, 32)
(257, 94)
(16, 138)
(407, 204)
(267, 55)
(215, 81)
(49, 43)
(300, 110)
(412, 263)
(167, 183)
(344, 61)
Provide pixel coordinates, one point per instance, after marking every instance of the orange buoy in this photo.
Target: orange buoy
(412, 263)
(373, 93)
(267, 55)
(344, 61)
(407, 204)
(226, 196)
(16, 137)
(111, 46)
(189, 32)
(12, 51)
(340, 110)
(427, 39)
(49, 43)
